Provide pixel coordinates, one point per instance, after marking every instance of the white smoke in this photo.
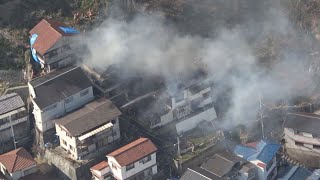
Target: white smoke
(148, 44)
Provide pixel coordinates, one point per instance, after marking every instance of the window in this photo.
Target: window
(83, 93)
(298, 143)
(114, 166)
(64, 142)
(145, 159)
(316, 146)
(72, 148)
(50, 107)
(68, 99)
(129, 167)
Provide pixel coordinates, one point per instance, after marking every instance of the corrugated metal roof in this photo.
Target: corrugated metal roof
(190, 174)
(264, 151)
(10, 102)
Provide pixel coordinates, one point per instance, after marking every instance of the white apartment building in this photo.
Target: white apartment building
(88, 130)
(302, 137)
(14, 121)
(189, 108)
(134, 161)
(58, 93)
(54, 44)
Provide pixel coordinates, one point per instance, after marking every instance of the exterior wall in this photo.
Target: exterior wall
(263, 172)
(308, 150)
(18, 174)
(192, 122)
(14, 123)
(64, 51)
(98, 175)
(122, 173)
(43, 118)
(306, 140)
(103, 137)
(184, 108)
(70, 141)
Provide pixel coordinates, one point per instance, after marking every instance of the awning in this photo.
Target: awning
(91, 133)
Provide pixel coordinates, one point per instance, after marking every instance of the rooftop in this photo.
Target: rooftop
(264, 151)
(91, 116)
(49, 32)
(10, 102)
(199, 174)
(100, 166)
(305, 122)
(17, 160)
(133, 151)
(223, 163)
(58, 85)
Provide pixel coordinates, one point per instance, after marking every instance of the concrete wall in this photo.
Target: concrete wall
(43, 118)
(67, 169)
(192, 122)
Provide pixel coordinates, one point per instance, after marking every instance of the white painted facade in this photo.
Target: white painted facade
(190, 111)
(104, 174)
(301, 141)
(18, 174)
(148, 168)
(80, 149)
(44, 117)
(266, 171)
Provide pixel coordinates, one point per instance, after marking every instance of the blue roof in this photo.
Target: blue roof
(69, 30)
(264, 151)
(268, 152)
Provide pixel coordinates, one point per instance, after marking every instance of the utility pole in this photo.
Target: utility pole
(178, 146)
(261, 117)
(12, 133)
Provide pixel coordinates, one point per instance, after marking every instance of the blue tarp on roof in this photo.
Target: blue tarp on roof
(264, 151)
(33, 51)
(69, 30)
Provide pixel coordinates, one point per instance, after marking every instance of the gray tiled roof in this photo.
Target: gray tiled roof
(10, 102)
(191, 174)
(90, 117)
(58, 85)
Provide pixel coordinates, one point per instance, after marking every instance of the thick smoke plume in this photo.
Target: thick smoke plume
(230, 55)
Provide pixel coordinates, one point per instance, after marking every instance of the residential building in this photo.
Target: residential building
(17, 164)
(187, 109)
(263, 155)
(302, 138)
(58, 93)
(134, 161)
(14, 121)
(53, 44)
(224, 165)
(90, 129)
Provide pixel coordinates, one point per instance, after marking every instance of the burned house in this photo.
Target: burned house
(302, 138)
(186, 109)
(223, 165)
(14, 122)
(57, 93)
(53, 44)
(107, 82)
(88, 130)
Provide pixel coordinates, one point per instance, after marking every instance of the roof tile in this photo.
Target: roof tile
(133, 151)
(16, 160)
